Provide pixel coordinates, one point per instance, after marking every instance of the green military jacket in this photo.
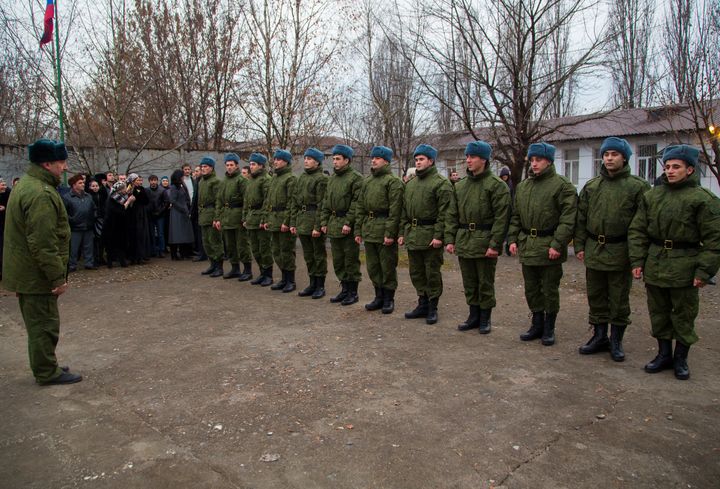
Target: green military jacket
(675, 234)
(340, 200)
(606, 206)
(208, 187)
(426, 201)
(307, 201)
(37, 235)
(278, 200)
(478, 215)
(230, 200)
(255, 192)
(544, 204)
(379, 206)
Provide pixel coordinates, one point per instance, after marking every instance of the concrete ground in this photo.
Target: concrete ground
(192, 382)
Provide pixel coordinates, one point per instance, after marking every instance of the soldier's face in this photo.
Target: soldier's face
(340, 162)
(245, 173)
(255, 168)
(422, 162)
(475, 165)
(310, 163)
(206, 169)
(454, 176)
(538, 164)
(613, 161)
(378, 163)
(230, 167)
(56, 167)
(677, 170)
(278, 163)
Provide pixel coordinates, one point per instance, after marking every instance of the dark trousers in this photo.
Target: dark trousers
(157, 234)
(85, 241)
(673, 312)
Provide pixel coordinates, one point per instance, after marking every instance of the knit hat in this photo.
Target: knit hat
(425, 150)
(75, 179)
(505, 171)
(132, 177)
(616, 144)
(258, 158)
(46, 151)
(207, 161)
(343, 150)
(688, 154)
(479, 148)
(542, 150)
(281, 154)
(382, 152)
(315, 154)
(232, 157)
(117, 186)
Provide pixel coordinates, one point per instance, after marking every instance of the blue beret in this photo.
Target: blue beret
(479, 148)
(46, 151)
(208, 161)
(381, 152)
(683, 152)
(343, 150)
(425, 150)
(232, 157)
(542, 150)
(616, 144)
(315, 154)
(281, 154)
(258, 158)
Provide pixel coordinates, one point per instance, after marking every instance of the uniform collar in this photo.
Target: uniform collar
(430, 170)
(42, 174)
(380, 171)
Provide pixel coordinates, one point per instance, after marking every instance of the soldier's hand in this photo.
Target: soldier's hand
(284, 228)
(436, 243)
(491, 253)
(580, 255)
(450, 248)
(513, 249)
(388, 241)
(553, 254)
(217, 225)
(293, 230)
(698, 283)
(323, 229)
(264, 226)
(315, 233)
(637, 272)
(60, 289)
(401, 240)
(358, 239)
(245, 224)
(346, 229)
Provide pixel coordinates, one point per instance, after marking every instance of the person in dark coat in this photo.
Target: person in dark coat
(115, 236)
(180, 232)
(81, 215)
(156, 214)
(96, 193)
(138, 223)
(4, 196)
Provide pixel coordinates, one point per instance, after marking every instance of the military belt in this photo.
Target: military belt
(338, 213)
(228, 205)
(423, 222)
(256, 207)
(308, 207)
(603, 238)
(471, 226)
(671, 244)
(378, 213)
(207, 206)
(539, 233)
(278, 208)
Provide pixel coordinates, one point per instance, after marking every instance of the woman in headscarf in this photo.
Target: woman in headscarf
(138, 223)
(180, 232)
(115, 232)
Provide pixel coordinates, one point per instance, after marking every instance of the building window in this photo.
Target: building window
(572, 164)
(597, 162)
(647, 162)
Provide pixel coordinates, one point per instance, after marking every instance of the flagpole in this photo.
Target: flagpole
(58, 75)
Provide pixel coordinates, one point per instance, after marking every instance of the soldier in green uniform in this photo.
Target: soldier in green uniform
(675, 246)
(475, 231)
(606, 207)
(278, 203)
(228, 219)
(542, 225)
(426, 201)
(377, 219)
(208, 187)
(254, 218)
(338, 221)
(35, 256)
(305, 221)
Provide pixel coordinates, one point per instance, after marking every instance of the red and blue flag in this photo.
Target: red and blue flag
(49, 15)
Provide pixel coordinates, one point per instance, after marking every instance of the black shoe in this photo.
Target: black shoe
(310, 289)
(536, 327)
(259, 279)
(352, 296)
(682, 371)
(598, 342)
(319, 288)
(473, 320)
(234, 271)
(283, 280)
(218, 272)
(210, 269)
(63, 378)
(289, 281)
(246, 274)
(616, 347)
(484, 326)
(266, 276)
(548, 336)
(432, 314)
(342, 294)
(420, 310)
(377, 302)
(388, 301)
(663, 360)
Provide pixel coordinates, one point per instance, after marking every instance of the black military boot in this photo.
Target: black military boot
(484, 321)
(218, 272)
(210, 269)
(260, 277)
(319, 288)
(420, 310)
(536, 327)
(289, 281)
(246, 273)
(432, 314)
(388, 301)
(266, 277)
(283, 281)
(342, 294)
(352, 295)
(310, 289)
(616, 336)
(548, 336)
(599, 341)
(682, 371)
(473, 320)
(663, 360)
(377, 302)
(234, 271)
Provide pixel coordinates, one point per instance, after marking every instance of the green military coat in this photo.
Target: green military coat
(208, 187)
(253, 210)
(426, 199)
(307, 202)
(379, 206)
(230, 200)
(343, 189)
(278, 201)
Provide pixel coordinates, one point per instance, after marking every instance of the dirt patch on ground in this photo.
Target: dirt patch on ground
(210, 383)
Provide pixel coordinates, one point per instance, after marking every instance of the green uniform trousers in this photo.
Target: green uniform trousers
(237, 244)
(42, 322)
(346, 258)
(673, 312)
(608, 296)
(315, 254)
(478, 276)
(542, 287)
(382, 262)
(425, 271)
(260, 246)
(283, 249)
(212, 242)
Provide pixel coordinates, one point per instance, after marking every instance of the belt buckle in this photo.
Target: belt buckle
(668, 244)
(227, 205)
(413, 223)
(471, 226)
(601, 239)
(303, 208)
(334, 214)
(533, 232)
(371, 215)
